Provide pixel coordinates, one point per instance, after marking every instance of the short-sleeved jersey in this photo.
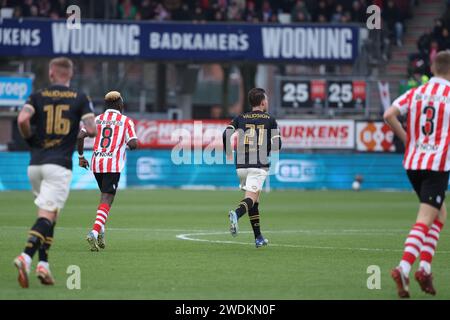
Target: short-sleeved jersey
(114, 130)
(256, 129)
(428, 122)
(58, 111)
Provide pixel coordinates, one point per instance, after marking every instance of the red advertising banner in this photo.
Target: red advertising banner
(310, 134)
(169, 133)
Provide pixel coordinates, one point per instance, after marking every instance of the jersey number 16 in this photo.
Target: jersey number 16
(56, 123)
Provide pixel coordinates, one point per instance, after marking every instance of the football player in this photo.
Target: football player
(258, 135)
(427, 165)
(49, 122)
(115, 132)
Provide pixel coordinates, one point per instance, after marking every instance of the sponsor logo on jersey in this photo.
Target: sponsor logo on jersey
(99, 154)
(50, 143)
(426, 147)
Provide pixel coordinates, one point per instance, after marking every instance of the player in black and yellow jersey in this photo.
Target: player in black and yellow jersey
(258, 135)
(49, 122)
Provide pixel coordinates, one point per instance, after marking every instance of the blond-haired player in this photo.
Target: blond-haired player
(55, 112)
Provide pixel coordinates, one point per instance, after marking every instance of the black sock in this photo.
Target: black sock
(37, 235)
(244, 207)
(253, 214)
(45, 247)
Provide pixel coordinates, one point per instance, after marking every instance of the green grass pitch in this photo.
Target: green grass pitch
(321, 244)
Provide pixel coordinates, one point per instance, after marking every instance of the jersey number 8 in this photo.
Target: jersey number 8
(106, 137)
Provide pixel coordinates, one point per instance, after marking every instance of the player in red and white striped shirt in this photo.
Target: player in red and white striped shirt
(115, 132)
(427, 163)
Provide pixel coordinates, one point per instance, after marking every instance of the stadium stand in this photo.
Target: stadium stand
(268, 11)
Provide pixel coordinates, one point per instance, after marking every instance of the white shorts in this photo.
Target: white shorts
(252, 179)
(50, 184)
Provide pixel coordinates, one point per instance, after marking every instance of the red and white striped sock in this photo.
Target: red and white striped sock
(413, 246)
(100, 219)
(429, 246)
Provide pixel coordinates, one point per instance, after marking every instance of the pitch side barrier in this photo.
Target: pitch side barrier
(155, 169)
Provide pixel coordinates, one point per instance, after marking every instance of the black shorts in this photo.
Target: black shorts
(430, 186)
(108, 182)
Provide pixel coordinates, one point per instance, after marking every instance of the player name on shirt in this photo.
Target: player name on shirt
(431, 98)
(109, 122)
(59, 94)
(255, 116)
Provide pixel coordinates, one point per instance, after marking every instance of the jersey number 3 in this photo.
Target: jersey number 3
(428, 127)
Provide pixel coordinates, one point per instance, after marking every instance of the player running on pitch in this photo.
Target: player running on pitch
(115, 132)
(427, 164)
(258, 134)
(49, 122)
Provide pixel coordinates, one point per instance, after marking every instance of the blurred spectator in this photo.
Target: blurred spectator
(44, 8)
(250, 13)
(161, 14)
(394, 21)
(54, 15)
(147, 11)
(234, 12)
(17, 12)
(216, 112)
(322, 12)
(219, 15)
(434, 49)
(300, 17)
(358, 12)
(60, 7)
(300, 12)
(338, 13)
(274, 19)
(322, 18)
(423, 43)
(346, 17)
(267, 12)
(198, 15)
(444, 40)
(34, 11)
(417, 79)
(127, 10)
(437, 30)
(26, 8)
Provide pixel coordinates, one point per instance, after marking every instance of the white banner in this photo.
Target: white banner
(385, 97)
(318, 134)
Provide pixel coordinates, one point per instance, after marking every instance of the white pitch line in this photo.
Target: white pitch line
(189, 237)
(308, 231)
(112, 229)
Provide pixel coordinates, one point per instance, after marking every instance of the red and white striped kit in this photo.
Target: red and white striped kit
(428, 124)
(114, 130)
